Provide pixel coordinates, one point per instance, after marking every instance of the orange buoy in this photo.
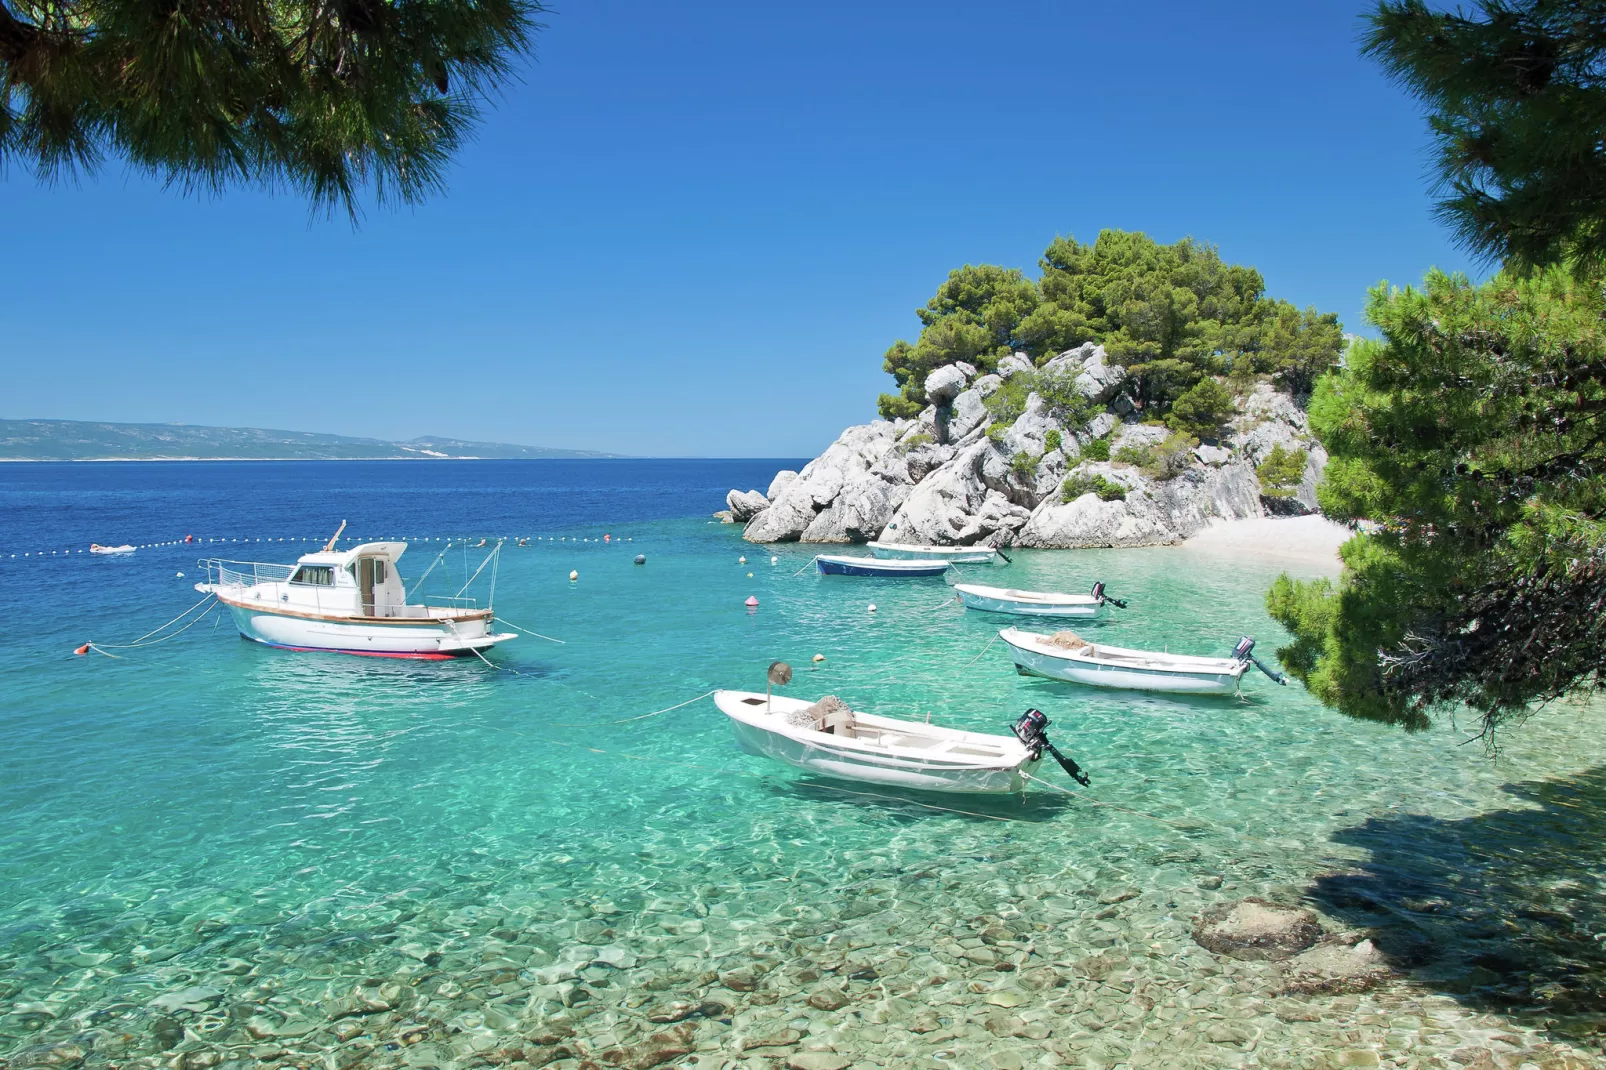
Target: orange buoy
(189, 538)
(81, 651)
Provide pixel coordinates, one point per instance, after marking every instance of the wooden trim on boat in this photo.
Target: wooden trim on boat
(405, 622)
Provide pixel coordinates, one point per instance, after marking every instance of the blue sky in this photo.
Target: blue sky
(692, 229)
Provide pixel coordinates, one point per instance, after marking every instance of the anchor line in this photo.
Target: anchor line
(527, 631)
(638, 717)
(984, 650)
(146, 640)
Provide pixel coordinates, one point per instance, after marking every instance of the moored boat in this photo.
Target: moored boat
(959, 555)
(831, 740)
(1034, 603)
(349, 602)
(843, 565)
(1066, 656)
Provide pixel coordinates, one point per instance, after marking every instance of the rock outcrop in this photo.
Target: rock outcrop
(955, 476)
(1256, 930)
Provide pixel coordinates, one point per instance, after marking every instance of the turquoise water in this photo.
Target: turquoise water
(213, 852)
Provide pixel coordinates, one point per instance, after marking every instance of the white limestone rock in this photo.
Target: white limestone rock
(847, 493)
(744, 506)
(954, 506)
(944, 384)
(1030, 429)
(1096, 379)
(1214, 456)
(1153, 513)
(1272, 419)
(969, 408)
(1014, 364)
(781, 481)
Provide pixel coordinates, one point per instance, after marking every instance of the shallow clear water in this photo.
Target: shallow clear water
(206, 845)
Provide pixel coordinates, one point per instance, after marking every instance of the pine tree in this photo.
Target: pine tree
(329, 100)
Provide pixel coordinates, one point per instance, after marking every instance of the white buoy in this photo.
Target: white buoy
(818, 658)
(574, 574)
(178, 575)
(872, 607)
(741, 560)
(775, 560)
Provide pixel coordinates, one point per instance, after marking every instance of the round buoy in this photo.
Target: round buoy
(81, 651)
(741, 560)
(819, 658)
(641, 559)
(178, 575)
(189, 538)
(872, 607)
(574, 574)
(751, 601)
(749, 575)
(607, 538)
(775, 560)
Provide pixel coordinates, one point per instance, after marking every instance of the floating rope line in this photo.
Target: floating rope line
(526, 631)
(984, 650)
(639, 717)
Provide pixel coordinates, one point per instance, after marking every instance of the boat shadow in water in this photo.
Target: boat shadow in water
(1505, 911)
(911, 805)
(1160, 702)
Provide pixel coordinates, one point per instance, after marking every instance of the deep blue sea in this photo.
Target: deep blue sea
(216, 853)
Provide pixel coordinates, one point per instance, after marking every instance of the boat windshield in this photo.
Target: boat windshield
(315, 575)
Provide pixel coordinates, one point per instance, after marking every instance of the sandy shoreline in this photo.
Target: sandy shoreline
(1312, 540)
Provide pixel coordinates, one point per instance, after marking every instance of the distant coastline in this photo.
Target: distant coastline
(85, 440)
(554, 456)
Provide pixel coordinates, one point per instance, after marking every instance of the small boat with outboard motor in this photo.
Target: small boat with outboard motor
(845, 565)
(829, 738)
(353, 602)
(1067, 656)
(97, 548)
(958, 555)
(1035, 603)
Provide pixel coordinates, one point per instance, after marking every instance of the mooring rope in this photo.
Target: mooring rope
(146, 640)
(984, 650)
(805, 568)
(527, 631)
(638, 717)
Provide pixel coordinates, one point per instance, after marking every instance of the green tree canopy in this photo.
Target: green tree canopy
(1516, 91)
(1169, 314)
(1472, 436)
(326, 99)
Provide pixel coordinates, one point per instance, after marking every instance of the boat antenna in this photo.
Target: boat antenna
(780, 675)
(330, 545)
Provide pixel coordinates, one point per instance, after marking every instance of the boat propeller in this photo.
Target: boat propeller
(1032, 731)
(1244, 652)
(1098, 593)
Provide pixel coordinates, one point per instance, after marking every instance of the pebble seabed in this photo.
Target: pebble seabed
(629, 914)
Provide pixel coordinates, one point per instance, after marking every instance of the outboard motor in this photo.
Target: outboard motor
(1032, 731)
(1244, 651)
(1101, 597)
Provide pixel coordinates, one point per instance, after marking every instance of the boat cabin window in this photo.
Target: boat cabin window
(316, 575)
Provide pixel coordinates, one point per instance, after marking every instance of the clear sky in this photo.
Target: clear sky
(692, 229)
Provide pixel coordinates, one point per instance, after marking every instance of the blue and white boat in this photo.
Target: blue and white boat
(957, 555)
(1031, 603)
(837, 565)
(1066, 656)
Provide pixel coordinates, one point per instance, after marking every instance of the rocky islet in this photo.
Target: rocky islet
(949, 478)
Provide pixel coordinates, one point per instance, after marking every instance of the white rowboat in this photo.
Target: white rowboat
(880, 750)
(960, 555)
(1098, 665)
(1029, 603)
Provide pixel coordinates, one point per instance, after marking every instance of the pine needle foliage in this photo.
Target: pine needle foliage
(1472, 437)
(1516, 95)
(329, 99)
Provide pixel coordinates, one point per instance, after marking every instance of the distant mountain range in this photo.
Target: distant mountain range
(83, 440)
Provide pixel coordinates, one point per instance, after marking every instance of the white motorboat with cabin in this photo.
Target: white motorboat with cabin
(352, 602)
(832, 740)
(1067, 656)
(959, 555)
(1034, 603)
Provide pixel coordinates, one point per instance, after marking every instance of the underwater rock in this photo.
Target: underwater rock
(1335, 966)
(1254, 929)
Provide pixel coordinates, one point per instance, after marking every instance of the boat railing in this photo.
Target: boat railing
(243, 573)
(441, 601)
